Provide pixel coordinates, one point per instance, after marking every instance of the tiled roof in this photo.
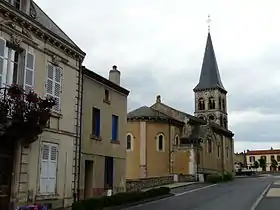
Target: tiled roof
(263, 152)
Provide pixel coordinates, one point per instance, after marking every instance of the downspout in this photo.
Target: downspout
(81, 121)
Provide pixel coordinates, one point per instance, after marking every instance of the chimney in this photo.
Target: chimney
(158, 100)
(115, 75)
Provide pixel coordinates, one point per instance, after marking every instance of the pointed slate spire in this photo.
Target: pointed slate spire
(209, 75)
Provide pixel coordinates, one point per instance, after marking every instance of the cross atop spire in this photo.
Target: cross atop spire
(209, 21)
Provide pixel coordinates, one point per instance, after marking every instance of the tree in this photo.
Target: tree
(23, 116)
(256, 165)
(262, 162)
(274, 164)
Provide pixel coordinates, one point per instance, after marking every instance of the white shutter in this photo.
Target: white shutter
(52, 169)
(44, 168)
(3, 61)
(53, 84)
(29, 71)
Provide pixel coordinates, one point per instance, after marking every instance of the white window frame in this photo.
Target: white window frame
(163, 142)
(4, 70)
(58, 110)
(41, 162)
(131, 142)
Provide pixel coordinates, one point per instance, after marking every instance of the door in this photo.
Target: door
(6, 166)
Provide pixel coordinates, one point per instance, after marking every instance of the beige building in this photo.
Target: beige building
(269, 155)
(104, 123)
(36, 53)
(204, 139)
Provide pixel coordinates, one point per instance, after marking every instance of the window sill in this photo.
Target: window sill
(94, 137)
(115, 141)
(56, 114)
(106, 101)
(46, 197)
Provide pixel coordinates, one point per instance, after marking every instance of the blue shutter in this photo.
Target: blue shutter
(97, 122)
(114, 127)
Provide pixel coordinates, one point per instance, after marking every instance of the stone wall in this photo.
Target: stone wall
(144, 183)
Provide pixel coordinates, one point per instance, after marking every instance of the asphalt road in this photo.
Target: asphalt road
(241, 194)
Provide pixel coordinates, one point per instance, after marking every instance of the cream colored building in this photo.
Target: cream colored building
(36, 53)
(268, 155)
(104, 123)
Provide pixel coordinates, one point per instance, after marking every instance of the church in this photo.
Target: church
(162, 140)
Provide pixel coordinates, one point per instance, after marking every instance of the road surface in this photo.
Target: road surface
(241, 194)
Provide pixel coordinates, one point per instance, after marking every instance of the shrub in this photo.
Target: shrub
(228, 177)
(214, 178)
(118, 199)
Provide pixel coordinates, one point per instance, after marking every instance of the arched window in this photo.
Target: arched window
(201, 104)
(209, 145)
(211, 103)
(160, 143)
(221, 121)
(176, 140)
(224, 104)
(129, 142)
(225, 123)
(220, 103)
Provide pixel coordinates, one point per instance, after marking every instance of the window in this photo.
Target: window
(160, 143)
(108, 172)
(218, 150)
(252, 159)
(211, 118)
(220, 103)
(224, 104)
(48, 168)
(17, 4)
(278, 157)
(95, 130)
(221, 121)
(209, 145)
(211, 103)
(9, 63)
(115, 127)
(53, 85)
(225, 122)
(106, 96)
(29, 71)
(177, 140)
(201, 104)
(272, 157)
(263, 157)
(129, 142)
(227, 152)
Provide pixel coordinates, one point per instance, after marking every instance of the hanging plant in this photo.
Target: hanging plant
(23, 116)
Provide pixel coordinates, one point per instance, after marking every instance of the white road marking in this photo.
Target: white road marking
(194, 190)
(179, 194)
(260, 198)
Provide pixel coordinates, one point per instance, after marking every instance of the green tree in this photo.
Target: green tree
(262, 162)
(256, 165)
(274, 164)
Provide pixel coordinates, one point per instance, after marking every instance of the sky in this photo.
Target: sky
(158, 46)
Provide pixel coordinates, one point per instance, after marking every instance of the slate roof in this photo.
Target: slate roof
(150, 113)
(209, 75)
(48, 23)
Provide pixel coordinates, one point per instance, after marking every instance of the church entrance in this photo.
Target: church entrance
(6, 167)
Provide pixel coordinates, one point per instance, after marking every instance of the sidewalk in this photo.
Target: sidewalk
(173, 186)
(271, 199)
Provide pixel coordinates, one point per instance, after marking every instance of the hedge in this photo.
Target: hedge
(215, 178)
(97, 203)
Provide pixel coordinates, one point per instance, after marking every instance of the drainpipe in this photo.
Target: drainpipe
(170, 147)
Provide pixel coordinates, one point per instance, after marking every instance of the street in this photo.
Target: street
(241, 194)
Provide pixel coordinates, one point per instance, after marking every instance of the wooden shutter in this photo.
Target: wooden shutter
(49, 82)
(97, 126)
(57, 87)
(52, 169)
(29, 71)
(44, 168)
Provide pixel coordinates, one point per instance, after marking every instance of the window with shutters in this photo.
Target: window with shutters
(53, 84)
(115, 127)
(48, 168)
(10, 60)
(95, 131)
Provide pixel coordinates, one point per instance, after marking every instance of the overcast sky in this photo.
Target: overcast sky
(158, 46)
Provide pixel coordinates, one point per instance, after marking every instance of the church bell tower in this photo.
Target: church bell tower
(210, 94)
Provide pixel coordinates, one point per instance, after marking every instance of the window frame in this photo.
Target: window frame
(163, 142)
(95, 127)
(115, 128)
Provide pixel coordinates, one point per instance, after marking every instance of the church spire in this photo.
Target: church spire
(209, 75)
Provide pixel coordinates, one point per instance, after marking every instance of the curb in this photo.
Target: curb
(138, 203)
(171, 188)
